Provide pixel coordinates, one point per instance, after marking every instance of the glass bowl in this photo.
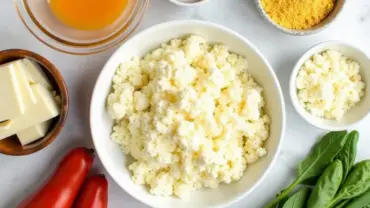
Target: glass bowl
(38, 18)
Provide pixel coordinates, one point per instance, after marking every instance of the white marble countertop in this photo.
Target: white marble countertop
(19, 176)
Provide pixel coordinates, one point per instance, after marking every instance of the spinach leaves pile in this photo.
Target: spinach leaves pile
(337, 181)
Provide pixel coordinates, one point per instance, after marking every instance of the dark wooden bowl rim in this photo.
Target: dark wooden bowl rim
(11, 145)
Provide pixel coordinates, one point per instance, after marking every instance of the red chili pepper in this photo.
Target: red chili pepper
(62, 188)
(94, 193)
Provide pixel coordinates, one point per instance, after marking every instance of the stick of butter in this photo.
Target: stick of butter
(44, 109)
(11, 104)
(33, 133)
(24, 85)
(35, 74)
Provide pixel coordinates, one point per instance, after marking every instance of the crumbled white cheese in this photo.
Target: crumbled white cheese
(329, 84)
(190, 116)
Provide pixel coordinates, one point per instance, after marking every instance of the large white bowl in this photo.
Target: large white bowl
(116, 162)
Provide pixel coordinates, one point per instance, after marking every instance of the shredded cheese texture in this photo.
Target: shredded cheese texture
(190, 116)
(298, 14)
(329, 84)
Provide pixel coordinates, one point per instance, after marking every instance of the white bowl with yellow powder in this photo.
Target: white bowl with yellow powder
(303, 17)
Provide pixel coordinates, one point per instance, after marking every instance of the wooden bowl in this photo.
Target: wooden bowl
(11, 145)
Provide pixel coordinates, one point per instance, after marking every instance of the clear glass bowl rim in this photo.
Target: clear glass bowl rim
(58, 44)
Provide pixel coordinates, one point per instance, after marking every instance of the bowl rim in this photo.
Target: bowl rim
(206, 24)
(62, 87)
(52, 41)
(188, 4)
(308, 31)
(292, 85)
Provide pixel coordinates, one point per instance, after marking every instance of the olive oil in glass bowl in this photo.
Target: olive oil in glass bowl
(81, 27)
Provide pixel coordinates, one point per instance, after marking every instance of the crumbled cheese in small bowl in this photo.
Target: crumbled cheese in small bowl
(328, 85)
(180, 165)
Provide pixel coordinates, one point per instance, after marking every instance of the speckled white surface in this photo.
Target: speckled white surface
(19, 176)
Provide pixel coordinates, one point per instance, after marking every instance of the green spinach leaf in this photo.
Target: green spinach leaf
(348, 154)
(298, 200)
(282, 202)
(363, 201)
(327, 186)
(321, 156)
(357, 183)
(342, 204)
(311, 181)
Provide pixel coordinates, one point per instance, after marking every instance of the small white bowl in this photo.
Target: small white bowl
(355, 114)
(115, 162)
(188, 3)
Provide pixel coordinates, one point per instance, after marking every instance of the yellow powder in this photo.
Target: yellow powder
(298, 14)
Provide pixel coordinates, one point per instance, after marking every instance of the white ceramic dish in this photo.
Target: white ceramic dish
(116, 162)
(355, 114)
(339, 5)
(188, 3)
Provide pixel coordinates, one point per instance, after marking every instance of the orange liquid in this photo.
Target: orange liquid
(88, 14)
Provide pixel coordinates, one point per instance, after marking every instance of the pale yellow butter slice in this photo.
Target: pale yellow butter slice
(44, 109)
(35, 73)
(24, 85)
(11, 103)
(5, 124)
(33, 133)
